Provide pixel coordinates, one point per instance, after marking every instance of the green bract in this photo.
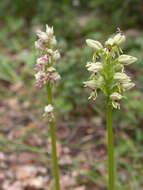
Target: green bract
(107, 69)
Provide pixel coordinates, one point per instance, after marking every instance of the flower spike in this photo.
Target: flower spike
(108, 74)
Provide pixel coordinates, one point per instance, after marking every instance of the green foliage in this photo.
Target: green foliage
(14, 69)
(8, 70)
(63, 14)
(121, 13)
(71, 68)
(33, 12)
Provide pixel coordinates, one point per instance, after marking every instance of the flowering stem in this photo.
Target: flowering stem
(110, 146)
(53, 139)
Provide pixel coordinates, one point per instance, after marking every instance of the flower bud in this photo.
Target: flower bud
(94, 67)
(94, 44)
(53, 41)
(119, 38)
(128, 85)
(56, 55)
(49, 30)
(116, 96)
(42, 35)
(90, 84)
(109, 42)
(38, 44)
(122, 77)
(127, 59)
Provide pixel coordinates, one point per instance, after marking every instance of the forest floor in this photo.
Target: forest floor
(25, 149)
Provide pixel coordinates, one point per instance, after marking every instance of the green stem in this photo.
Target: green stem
(53, 138)
(110, 147)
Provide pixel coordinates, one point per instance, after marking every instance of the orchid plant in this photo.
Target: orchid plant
(108, 74)
(46, 75)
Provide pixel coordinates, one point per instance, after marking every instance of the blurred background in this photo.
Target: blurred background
(25, 146)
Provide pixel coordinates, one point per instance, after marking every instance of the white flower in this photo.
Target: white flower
(48, 109)
(128, 85)
(42, 35)
(38, 75)
(116, 40)
(38, 44)
(48, 112)
(116, 96)
(107, 69)
(43, 59)
(49, 30)
(122, 77)
(127, 59)
(93, 95)
(56, 77)
(94, 67)
(53, 41)
(94, 44)
(41, 78)
(56, 55)
(51, 69)
(119, 38)
(116, 105)
(109, 42)
(46, 44)
(52, 75)
(91, 84)
(50, 52)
